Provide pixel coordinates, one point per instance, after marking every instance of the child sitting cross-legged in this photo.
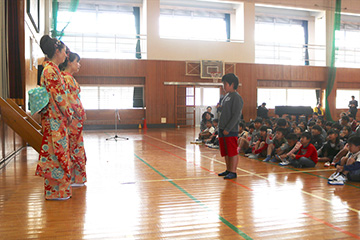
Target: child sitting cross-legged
(293, 146)
(307, 154)
(331, 148)
(276, 146)
(260, 147)
(213, 140)
(349, 166)
(207, 132)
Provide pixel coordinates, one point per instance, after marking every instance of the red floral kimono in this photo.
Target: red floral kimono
(54, 159)
(75, 131)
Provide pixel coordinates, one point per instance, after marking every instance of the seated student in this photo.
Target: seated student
(242, 130)
(208, 111)
(337, 126)
(293, 126)
(293, 146)
(212, 138)
(328, 126)
(340, 154)
(341, 115)
(352, 122)
(208, 131)
(268, 123)
(260, 146)
(298, 131)
(310, 126)
(344, 121)
(332, 147)
(307, 154)
(345, 133)
(282, 123)
(206, 116)
(314, 117)
(277, 146)
(317, 139)
(254, 136)
(303, 125)
(349, 166)
(243, 142)
(321, 122)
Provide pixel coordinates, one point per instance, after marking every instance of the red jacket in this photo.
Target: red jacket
(309, 152)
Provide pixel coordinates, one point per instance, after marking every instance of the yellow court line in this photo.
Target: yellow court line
(251, 173)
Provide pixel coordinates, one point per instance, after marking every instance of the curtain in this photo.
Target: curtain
(306, 35)
(3, 50)
(227, 21)
(332, 70)
(16, 72)
(137, 26)
(55, 6)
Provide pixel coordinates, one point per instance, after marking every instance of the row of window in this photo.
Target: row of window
(115, 97)
(100, 32)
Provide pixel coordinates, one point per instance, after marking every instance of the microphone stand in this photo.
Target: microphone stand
(116, 137)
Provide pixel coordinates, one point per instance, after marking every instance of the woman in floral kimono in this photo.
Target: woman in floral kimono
(75, 130)
(54, 159)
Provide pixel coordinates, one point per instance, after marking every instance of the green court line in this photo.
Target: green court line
(226, 222)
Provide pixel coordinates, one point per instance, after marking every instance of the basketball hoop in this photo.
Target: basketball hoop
(215, 76)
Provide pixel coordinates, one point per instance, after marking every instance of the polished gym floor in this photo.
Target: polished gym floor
(157, 185)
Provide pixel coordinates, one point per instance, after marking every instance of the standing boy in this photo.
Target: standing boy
(232, 105)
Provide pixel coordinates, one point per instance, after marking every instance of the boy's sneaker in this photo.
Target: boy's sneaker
(273, 159)
(333, 176)
(254, 156)
(267, 159)
(209, 145)
(327, 164)
(215, 146)
(197, 141)
(248, 154)
(230, 175)
(339, 180)
(223, 173)
(284, 163)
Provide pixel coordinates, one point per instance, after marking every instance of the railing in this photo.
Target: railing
(106, 46)
(290, 54)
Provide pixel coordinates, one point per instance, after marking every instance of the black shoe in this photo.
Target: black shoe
(231, 175)
(223, 173)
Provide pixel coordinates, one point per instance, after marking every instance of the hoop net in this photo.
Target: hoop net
(215, 76)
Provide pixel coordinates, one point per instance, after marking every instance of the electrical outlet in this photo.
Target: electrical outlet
(163, 120)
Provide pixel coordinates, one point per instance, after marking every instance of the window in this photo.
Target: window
(343, 97)
(207, 96)
(279, 41)
(347, 45)
(286, 97)
(99, 30)
(195, 25)
(107, 97)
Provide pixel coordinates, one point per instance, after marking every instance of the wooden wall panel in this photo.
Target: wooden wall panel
(160, 99)
(89, 80)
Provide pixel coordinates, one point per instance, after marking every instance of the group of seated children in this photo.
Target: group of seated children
(304, 144)
(208, 131)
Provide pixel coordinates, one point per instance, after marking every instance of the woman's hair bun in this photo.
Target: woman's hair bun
(47, 46)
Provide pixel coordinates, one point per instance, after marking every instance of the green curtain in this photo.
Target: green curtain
(332, 70)
(137, 27)
(227, 21)
(55, 6)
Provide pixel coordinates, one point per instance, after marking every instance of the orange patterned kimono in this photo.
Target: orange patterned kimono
(75, 131)
(54, 159)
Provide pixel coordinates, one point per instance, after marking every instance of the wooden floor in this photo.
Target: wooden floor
(157, 185)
